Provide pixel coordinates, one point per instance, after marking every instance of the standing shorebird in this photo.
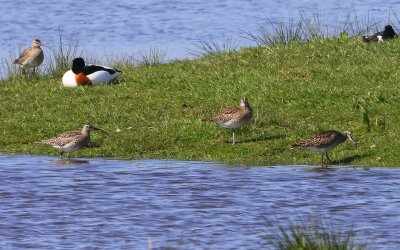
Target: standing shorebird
(234, 117)
(388, 33)
(71, 140)
(31, 57)
(324, 141)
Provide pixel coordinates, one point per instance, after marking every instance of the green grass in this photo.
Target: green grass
(313, 235)
(296, 90)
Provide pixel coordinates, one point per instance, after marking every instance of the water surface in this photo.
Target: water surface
(111, 204)
(129, 27)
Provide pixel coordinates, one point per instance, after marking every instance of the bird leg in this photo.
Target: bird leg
(233, 137)
(328, 157)
(61, 154)
(322, 160)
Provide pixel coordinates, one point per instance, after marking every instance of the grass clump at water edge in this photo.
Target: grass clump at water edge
(308, 27)
(313, 235)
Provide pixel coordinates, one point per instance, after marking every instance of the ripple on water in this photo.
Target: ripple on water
(122, 204)
(138, 26)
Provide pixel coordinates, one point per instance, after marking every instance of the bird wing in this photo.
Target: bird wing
(90, 69)
(373, 38)
(22, 57)
(380, 33)
(28, 55)
(320, 140)
(62, 139)
(226, 114)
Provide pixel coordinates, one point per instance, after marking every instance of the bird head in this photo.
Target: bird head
(36, 43)
(349, 136)
(77, 65)
(244, 103)
(88, 127)
(389, 30)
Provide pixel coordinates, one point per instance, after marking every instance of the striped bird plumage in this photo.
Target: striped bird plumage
(324, 141)
(71, 140)
(31, 57)
(233, 117)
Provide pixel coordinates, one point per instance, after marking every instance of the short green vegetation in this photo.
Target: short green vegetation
(155, 110)
(314, 235)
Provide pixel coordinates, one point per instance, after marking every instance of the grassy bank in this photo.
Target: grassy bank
(155, 111)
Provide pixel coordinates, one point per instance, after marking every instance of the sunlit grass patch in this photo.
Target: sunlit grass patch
(155, 108)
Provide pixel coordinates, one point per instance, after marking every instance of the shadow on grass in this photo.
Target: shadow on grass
(349, 159)
(346, 160)
(258, 138)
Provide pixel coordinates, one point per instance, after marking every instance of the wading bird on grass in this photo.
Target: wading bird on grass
(324, 141)
(31, 57)
(71, 140)
(234, 117)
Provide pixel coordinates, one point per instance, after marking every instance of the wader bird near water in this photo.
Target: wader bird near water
(324, 141)
(388, 33)
(81, 74)
(71, 140)
(234, 117)
(31, 57)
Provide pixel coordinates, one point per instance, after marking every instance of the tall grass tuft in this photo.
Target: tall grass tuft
(120, 61)
(355, 26)
(62, 53)
(212, 46)
(59, 60)
(307, 27)
(9, 70)
(155, 56)
(280, 33)
(314, 235)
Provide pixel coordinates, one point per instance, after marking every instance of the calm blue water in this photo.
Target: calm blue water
(47, 203)
(128, 27)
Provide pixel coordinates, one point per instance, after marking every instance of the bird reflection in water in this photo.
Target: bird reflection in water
(66, 162)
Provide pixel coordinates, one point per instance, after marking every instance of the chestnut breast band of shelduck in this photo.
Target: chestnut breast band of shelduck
(82, 74)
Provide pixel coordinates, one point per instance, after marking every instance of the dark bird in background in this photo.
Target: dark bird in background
(388, 33)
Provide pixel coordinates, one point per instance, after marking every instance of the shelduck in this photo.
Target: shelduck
(388, 33)
(81, 74)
